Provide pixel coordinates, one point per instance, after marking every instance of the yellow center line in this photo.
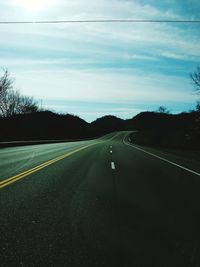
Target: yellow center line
(20, 176)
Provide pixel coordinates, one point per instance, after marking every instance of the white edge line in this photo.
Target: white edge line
(112, 165)
(161, 158)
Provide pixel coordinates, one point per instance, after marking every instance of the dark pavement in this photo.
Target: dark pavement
(84, 211)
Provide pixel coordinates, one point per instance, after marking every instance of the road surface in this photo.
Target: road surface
(103, 202)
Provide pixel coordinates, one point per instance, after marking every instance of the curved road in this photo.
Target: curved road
(100, 203)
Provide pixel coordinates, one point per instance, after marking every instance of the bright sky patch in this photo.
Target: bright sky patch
(34, 5)
(143, 65)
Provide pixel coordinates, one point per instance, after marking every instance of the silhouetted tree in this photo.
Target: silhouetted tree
(5, 82)
(198, 106)
(5, 87)
(195, 76)
(11, 101)
(27, 105)
(163, 109)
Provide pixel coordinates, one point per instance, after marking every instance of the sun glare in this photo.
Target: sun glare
(34, 5)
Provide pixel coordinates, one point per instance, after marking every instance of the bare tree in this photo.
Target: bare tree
(163, 109)
(11, 101)
(18, 104)
(198, 106)
(27, 105)
(195, 76)
(6, 82)
(6, 85)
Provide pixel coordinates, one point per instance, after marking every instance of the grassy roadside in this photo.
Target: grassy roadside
(189, 158)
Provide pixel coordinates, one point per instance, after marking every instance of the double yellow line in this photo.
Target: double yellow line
(20, 176)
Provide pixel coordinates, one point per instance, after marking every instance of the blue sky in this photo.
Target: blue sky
(96, 69)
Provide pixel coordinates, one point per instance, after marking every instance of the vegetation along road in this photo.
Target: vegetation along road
(104, 202)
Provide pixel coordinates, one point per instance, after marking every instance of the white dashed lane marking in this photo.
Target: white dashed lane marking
(113, 165)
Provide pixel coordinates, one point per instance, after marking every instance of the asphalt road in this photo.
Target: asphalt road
(97, 203)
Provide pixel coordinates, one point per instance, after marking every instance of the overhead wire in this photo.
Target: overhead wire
(99, 21)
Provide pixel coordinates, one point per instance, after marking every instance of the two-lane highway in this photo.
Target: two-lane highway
(97, 203)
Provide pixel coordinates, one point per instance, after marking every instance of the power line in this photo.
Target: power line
(100, 21)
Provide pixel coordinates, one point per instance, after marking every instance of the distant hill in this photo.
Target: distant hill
(43, 126)
(152, 120)
(167, 130)
(153, 128)
(106, 125)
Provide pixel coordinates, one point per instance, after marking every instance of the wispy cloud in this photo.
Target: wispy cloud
(119, 62)
(105, 86)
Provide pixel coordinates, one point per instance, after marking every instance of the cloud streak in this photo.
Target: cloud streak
(109, 62)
